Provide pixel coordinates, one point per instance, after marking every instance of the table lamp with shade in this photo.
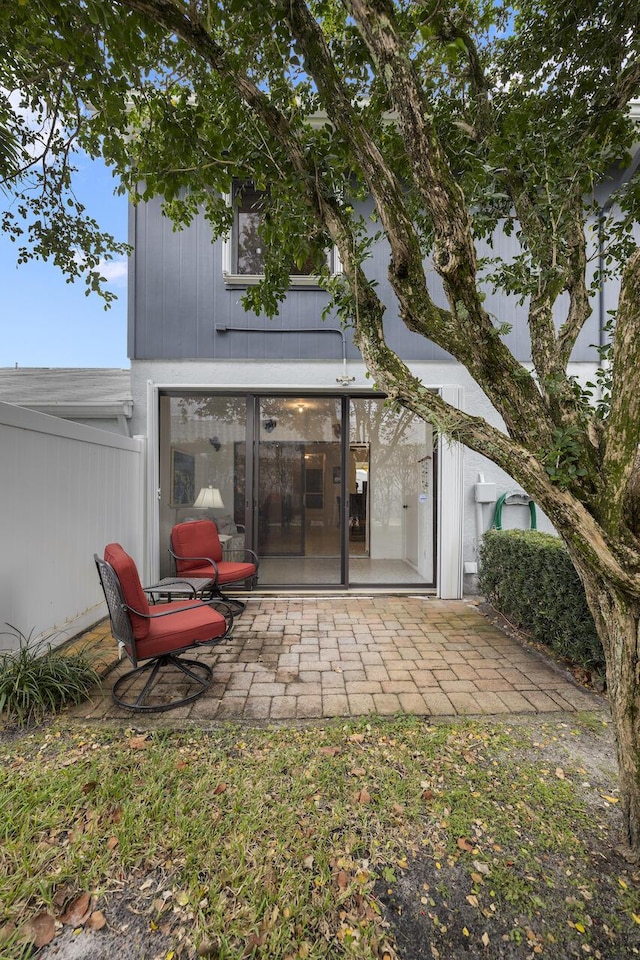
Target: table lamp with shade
(209, 499)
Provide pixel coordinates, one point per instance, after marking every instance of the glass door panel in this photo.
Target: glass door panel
(391, 496)
(200, 439)
(298, 474)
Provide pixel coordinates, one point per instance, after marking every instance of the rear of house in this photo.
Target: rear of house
(332, 486)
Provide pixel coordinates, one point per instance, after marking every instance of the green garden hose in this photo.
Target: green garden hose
(500, 502)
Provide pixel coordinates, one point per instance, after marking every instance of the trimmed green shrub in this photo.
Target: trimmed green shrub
(36, 679)
(528, 576)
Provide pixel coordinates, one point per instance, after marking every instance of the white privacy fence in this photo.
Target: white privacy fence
(66, 490)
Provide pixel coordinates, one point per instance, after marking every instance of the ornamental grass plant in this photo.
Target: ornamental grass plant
(37, 680)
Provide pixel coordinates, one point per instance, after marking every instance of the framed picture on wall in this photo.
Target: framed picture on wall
(183, 479)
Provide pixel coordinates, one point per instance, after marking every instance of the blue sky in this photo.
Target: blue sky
(47, 322)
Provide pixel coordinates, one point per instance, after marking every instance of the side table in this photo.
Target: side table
(189, 587)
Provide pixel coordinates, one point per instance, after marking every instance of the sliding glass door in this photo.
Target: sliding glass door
(329, 491)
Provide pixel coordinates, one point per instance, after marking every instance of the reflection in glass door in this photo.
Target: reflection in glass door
(391, 496)
(200, 439)
(298, 485)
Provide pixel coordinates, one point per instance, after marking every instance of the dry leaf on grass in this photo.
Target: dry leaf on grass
(78, 911)
(139, 743)
(96, 921)
(464, 844)
(362, 796)
(41, 929)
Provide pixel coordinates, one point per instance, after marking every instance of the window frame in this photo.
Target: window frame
(230, 253)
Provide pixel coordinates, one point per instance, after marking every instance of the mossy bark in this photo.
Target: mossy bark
(617, 618)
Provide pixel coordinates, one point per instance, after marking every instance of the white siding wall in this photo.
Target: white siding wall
(66, 490)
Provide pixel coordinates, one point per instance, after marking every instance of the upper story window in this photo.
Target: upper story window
(243, 251)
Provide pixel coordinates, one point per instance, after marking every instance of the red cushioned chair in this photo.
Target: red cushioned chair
(197, 551)
(158, 635)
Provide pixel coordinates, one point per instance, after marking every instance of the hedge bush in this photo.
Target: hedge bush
(528, 576)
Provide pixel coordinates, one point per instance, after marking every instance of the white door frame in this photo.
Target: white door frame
(451, 506)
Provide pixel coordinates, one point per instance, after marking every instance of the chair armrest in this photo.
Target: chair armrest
(248, 556)
(227, 612)
(167, 613)
(177, 556)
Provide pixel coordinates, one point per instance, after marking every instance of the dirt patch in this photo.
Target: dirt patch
(144, 922)
(444, 908)
(442, 913)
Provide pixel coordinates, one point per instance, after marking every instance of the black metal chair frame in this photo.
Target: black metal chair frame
(216, 591)
(200, 673)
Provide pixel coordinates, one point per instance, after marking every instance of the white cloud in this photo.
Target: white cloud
(115, 271)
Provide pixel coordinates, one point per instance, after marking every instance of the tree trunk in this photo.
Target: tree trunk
(617, 619)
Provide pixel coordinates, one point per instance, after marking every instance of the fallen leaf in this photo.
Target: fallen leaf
(254, 940)
(610, 799)
(485, 939)
(220, 788)
(342, 879)
(90, 786)
(465, 844)
(356, 737)
(329, 751)
(41, 929)
(559, 773)
(308, 862)
(482, 868)
(97, 920)
(112, 843)
(358, 772)
(139, 743)
(62, 895)
(78, 911)
(362, 796)
(7, 930)
(427, 794)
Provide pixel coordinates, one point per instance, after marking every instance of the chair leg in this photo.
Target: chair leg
(232, 601)
(200, 673)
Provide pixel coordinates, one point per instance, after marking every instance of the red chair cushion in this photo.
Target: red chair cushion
(228, 572)
(134, 596)
(195, 539)
(182, 628)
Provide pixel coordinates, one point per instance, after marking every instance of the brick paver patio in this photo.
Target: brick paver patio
(321, 657)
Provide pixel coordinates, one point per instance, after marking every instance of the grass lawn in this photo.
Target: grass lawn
(367, 839)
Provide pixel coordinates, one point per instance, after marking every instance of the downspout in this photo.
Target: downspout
(344, 379)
